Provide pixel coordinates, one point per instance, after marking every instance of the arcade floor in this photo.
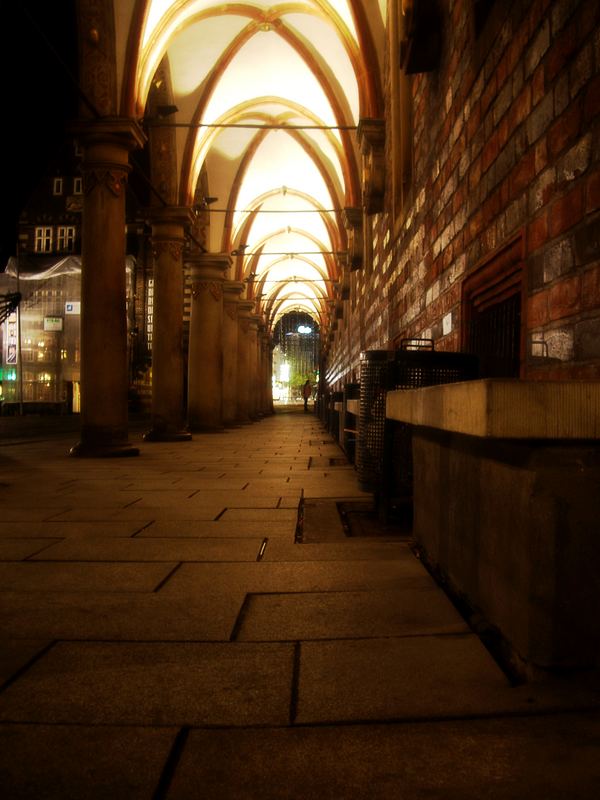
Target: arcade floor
(197, 622)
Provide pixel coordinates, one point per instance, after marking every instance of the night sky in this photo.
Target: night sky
(38, 39)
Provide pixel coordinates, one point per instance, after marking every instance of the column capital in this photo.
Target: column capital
(246, 307)
(168, 216)
(208, 266)
(122, 131)
(233, 289)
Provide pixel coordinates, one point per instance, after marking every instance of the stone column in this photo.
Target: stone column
(104, 371)
(268, 373)
(168, 226)
(205, 359)
(244, 376)
(231, 298)
(253, 366)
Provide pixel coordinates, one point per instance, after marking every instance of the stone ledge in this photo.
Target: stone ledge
(497, 408)
(353, 407)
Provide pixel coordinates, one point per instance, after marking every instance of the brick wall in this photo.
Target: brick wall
(506, 140)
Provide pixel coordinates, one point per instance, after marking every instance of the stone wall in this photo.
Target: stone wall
(505, 144)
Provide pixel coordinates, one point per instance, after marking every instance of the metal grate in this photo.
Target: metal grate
(375, 377)
(384, 449)
(494, 334)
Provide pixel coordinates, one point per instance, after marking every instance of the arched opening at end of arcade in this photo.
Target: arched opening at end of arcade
(296, 342)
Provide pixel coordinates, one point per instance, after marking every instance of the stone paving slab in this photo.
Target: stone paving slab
(554, 758)
(31, 514)
(422, 677)
(154, 684)
(344, 550)
(151, 549)
(55, 577)
(418, 608)
(59, 762)
(17, 653)
(54, 530)
(254, 514)
(119, 616)
(291, 577)
(19, 549)
(406, 678)
(143, 515)
(220, 528)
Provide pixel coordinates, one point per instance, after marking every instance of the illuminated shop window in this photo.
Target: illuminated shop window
(150, 311)
(43, 240)
(65, 237)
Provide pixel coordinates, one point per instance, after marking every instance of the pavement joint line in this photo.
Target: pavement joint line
(143, 528)
(132, 503)
(171, 763)
(167, 577)
(26, 666)
(239, 620)
(51, 543)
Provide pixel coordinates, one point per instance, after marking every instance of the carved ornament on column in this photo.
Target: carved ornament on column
(214, 288)
(231, 310)
(353, 222)
(371, 138)
(113, 180)
(168, 247)
(98, 76)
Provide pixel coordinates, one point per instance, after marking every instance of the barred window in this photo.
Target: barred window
(43, 240)
(66, 239)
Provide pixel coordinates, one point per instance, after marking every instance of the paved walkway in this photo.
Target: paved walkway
(194, 623)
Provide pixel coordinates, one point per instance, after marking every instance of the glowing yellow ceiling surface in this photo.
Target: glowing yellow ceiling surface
(268, 98)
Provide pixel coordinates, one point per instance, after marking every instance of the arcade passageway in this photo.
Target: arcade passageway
(171, 629)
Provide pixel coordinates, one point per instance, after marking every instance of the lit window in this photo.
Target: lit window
(43, 240)
(65, 239)
(77, 186)
(57, 186)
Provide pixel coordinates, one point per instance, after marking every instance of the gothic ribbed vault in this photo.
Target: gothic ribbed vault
(263, 139)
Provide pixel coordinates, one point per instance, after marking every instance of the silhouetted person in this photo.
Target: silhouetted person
(306, 393)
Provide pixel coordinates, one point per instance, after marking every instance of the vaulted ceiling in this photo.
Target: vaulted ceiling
(263, 139)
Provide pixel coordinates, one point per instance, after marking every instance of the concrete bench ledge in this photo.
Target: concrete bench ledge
(498, 408)
(353, 407)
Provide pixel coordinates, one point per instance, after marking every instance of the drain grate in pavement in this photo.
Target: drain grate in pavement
(361, 519)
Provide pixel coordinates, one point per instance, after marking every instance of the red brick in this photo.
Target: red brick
(592, 192)
(523, 173)
(566, 212)
(474, 121)
(592, 99)
(537, 233)
(490, 152)
(564, 298)
(541, 155)
(565, 129)
(476, 224)
(538, 85)
(537, 310)
(520, 108)
(590, 288)
(561, 51)
(475, 174)
(488, 94)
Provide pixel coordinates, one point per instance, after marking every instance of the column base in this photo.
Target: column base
(167, 436)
